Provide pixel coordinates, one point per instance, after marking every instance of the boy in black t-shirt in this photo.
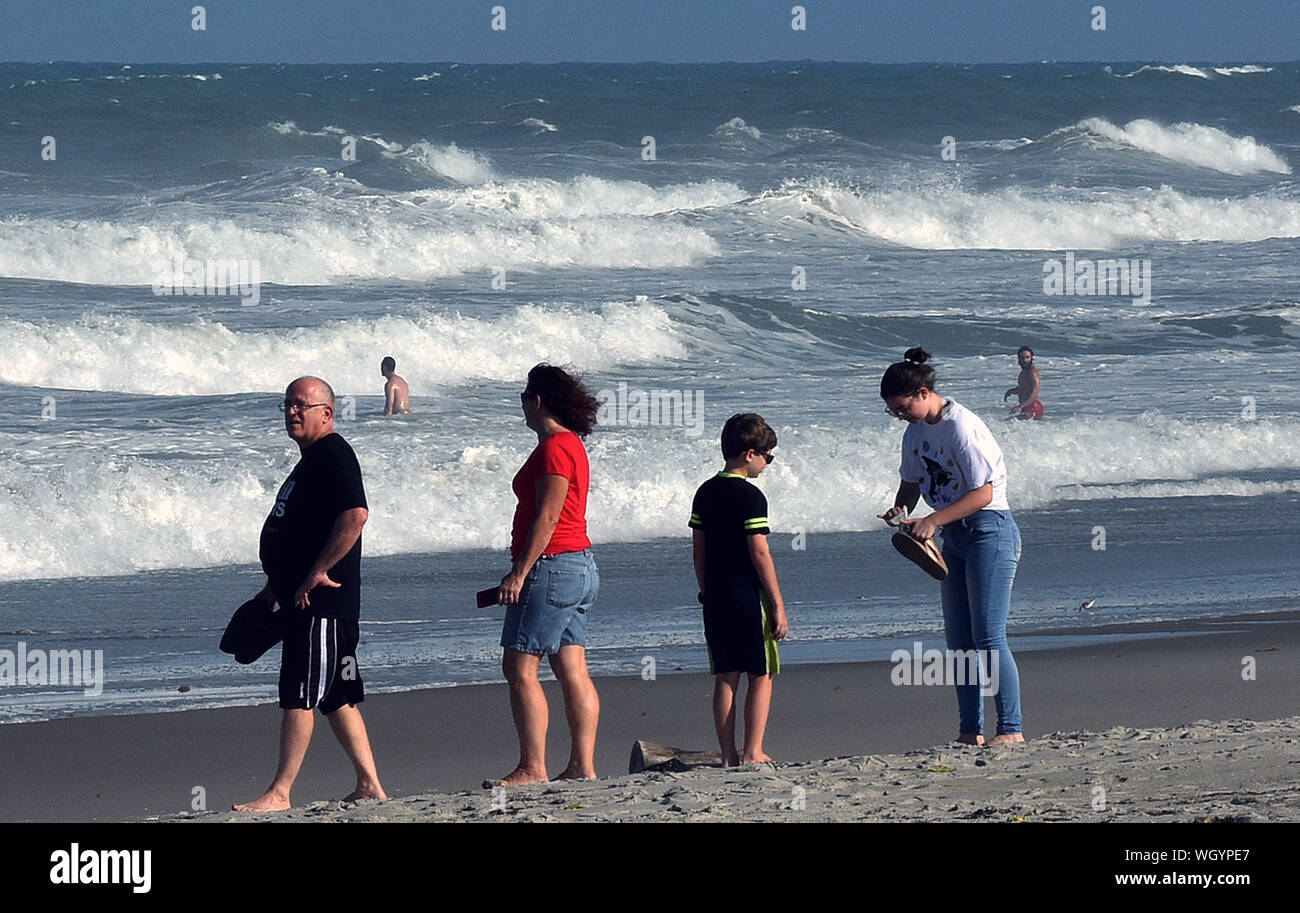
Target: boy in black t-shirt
(744, 614)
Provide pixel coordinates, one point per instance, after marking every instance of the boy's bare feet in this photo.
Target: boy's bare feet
(731, 758)
(518, 777)
(267, 802)
(757, 758)
(1007, 738)
(970, 738)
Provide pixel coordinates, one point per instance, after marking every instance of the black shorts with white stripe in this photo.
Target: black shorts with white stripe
(318, 663)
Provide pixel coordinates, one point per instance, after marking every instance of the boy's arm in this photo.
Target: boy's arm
(697, 552)
(762, 558)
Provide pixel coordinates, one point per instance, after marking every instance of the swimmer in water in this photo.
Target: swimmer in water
(397, 395)
(1027, 385)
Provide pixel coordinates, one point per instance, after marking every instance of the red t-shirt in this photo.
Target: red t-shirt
(562, 455)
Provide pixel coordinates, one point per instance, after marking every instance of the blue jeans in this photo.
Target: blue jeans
(552, 607)
(982, 552)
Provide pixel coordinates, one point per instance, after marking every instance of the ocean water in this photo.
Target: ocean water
(796, 228)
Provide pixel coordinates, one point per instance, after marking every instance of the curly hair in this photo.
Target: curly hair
(565, 397)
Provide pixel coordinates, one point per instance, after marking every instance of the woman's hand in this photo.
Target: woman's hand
(512, 585)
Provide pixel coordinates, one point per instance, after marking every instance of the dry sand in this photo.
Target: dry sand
(1208, 771)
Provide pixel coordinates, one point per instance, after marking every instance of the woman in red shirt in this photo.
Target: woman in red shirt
(553, 579)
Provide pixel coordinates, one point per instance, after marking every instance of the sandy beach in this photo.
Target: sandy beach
(1163, 722)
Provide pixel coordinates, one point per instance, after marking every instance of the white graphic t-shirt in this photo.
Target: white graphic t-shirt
(952, 457)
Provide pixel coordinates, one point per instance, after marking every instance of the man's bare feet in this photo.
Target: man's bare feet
(518, 777)
(366, 791)
(575, 773)
(1007, 738)
(970, 738)
(267, 802)
(757, 758)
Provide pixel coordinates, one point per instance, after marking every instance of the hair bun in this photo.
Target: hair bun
(916, 355)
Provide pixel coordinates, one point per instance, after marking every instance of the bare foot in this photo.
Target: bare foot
(366, 791)
(267, 802)
(517, 777)
(1007, 738)
(731, 758)
(576, 773)
(756, 758)
(970, 738)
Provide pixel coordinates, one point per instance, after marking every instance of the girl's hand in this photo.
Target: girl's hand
(892, 513)
(923, 528)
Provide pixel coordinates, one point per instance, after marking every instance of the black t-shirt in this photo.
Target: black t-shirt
(325, 483)
(729, 510)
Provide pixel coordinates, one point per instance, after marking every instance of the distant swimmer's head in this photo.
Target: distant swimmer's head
(308, 410)
(387, 366)
(1025, 356)
(748, 442)
(553, 392)
(907, 386)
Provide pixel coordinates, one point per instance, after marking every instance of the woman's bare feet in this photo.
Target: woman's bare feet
(573, 772)
(368, 790)
(269, 801)
(970, 738)
(518, 777)
(1007, 738)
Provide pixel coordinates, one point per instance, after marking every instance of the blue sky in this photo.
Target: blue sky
(543, 31)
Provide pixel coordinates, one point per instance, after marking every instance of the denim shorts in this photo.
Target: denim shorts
(552, 607)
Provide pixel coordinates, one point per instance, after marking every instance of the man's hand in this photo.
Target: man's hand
(267, 596)
(320, 578)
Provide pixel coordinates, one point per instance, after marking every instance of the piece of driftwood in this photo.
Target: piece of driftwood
(647, 756)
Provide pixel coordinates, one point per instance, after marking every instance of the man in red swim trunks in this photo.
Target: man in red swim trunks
(1027, 385)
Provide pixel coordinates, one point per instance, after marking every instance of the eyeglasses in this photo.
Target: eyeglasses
(898, 413)
(298, 405)
(526, 396)
(766, 455)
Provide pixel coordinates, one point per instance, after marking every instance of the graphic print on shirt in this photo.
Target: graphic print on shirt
(940, 478)
(282, 498)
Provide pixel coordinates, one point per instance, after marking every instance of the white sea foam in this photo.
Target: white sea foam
(435, 352)
(944, 218)
(348, 232)
(1184, 69)
(1193, 144)
(450, 161)
(538, 125)
(96, 511)
(737, 125)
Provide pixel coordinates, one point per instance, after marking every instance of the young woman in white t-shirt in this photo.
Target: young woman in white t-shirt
(951, 459)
